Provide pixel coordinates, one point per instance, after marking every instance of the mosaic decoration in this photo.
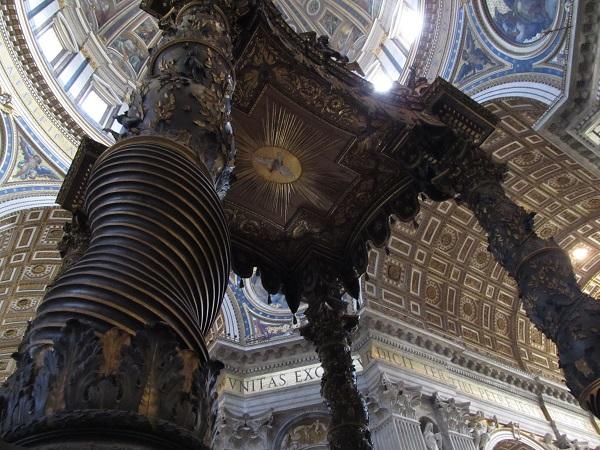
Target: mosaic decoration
(473, 59)
(132, 49)
(31, 166)
(105, 10)
(257, 292)
(147, 30)
(263, 317)
(522, 21)
(29, 260)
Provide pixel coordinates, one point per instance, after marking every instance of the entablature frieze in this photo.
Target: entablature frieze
(462, 360)
(438, 351)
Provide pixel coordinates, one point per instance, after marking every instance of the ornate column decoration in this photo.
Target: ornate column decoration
(116, 355)
(393, 414)
(454, 421)
(547, 285)
(75, 241)
(242, 432)
(446, 159)
(481, 429)
(329, 328)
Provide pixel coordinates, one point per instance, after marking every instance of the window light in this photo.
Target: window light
(94, 106)
(381, 82)
(409, 26)
(50, 44)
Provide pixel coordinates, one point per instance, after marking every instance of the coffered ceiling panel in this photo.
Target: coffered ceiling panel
(438, 274)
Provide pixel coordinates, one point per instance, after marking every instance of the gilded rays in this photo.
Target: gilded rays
(281, 162)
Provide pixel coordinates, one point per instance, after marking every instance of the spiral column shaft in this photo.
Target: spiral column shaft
(159, 248)
(547, 285)
(329, 328)
(116, 354)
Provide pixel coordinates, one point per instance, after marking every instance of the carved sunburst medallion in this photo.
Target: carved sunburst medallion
(288, 159)
(276, 164)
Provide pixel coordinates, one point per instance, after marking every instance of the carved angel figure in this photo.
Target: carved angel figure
(433, 441)
(547, 442)
(481, 436)
(31, 166)
(563, 443)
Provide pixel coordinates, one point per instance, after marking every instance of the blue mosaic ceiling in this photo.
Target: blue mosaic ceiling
(522, 21)
(511, 48)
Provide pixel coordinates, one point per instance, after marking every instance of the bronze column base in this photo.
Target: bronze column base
(149, 246)
(101, 390)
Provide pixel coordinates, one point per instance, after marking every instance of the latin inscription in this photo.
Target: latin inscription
(277, 380)
(387, 355)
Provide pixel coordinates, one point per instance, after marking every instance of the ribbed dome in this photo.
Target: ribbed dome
(93, 51)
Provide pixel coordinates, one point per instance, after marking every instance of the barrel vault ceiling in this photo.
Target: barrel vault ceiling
(66, 67)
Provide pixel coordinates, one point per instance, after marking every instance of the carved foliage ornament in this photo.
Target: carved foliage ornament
(454, 414)
(330, 328)
(396, 398)
(547, 285)
(187, 95)
(147, 378)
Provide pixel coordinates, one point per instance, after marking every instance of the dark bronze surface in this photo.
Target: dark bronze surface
(148, 244)
(329, 328)
(110, 389)
(322, 163)
(547, 285)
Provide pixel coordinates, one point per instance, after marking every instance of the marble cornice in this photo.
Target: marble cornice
(268, 357)
(425, 50)
(447, 364)
(458, 358)
(406, 338)
(31, 74)
(452, 356)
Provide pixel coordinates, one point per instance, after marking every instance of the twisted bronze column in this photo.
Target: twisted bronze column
(329, 328)
(116, 355)
(547, 286)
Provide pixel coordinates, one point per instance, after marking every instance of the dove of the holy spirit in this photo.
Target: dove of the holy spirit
(276, 164)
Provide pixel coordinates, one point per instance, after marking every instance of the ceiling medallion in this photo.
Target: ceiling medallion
(281, 160)
(276, 164)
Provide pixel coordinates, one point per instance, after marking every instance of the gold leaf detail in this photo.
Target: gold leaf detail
(112, 343)
(583, 367)
(190, 365)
